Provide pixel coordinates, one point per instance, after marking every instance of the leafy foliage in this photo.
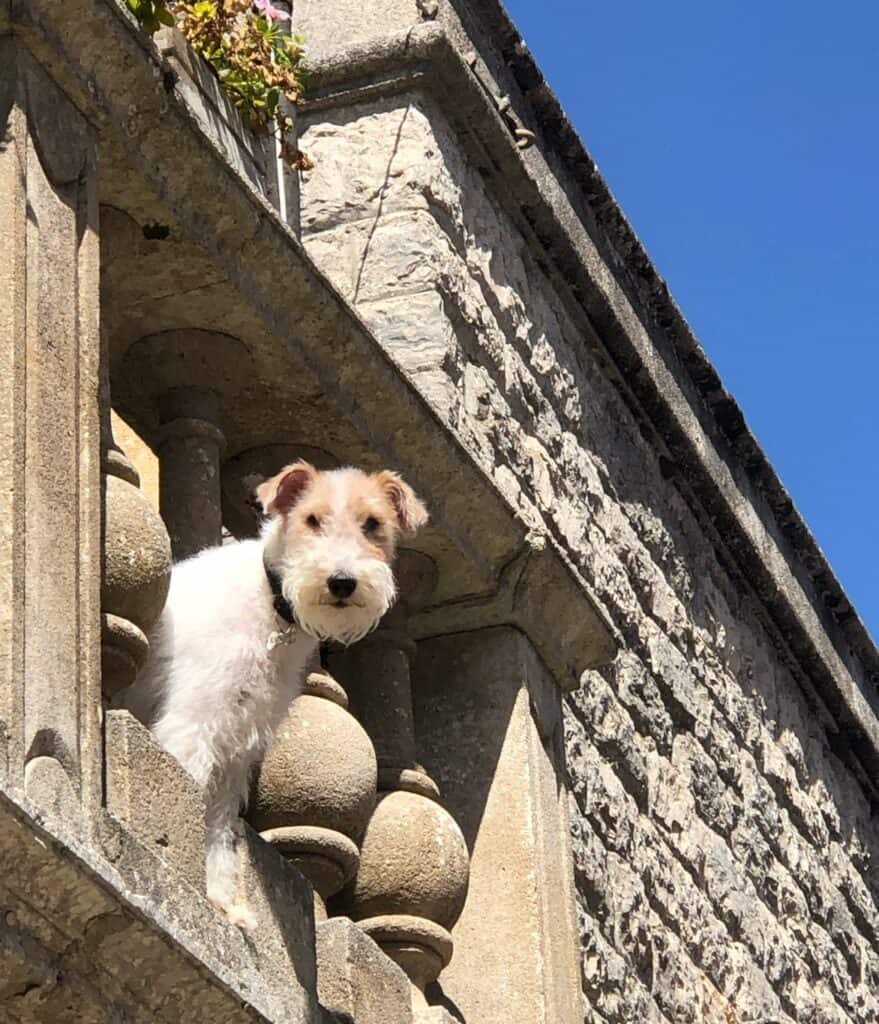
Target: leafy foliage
(152, 14)
(257, 61)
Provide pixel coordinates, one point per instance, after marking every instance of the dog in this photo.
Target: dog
(242, 621)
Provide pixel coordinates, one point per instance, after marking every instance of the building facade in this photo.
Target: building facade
(613, 756)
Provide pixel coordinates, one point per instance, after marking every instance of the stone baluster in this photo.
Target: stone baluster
(316, 788)
(190, 377)
(412, 880)
(190, 445)
(136, 560)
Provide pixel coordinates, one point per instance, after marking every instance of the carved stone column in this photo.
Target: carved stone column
(50, 509)
(191, 376)
(504, 778)
(316, 788)
(190, 445)
(412, 881)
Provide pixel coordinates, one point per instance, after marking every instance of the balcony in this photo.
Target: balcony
(156, 270)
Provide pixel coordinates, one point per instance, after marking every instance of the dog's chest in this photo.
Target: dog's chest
(263, 696)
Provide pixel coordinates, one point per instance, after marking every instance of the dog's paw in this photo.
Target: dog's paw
(238, 914)
(241, 916)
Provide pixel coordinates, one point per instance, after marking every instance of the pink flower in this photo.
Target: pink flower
(266, 7)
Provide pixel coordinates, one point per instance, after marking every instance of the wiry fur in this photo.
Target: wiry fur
(214, 687)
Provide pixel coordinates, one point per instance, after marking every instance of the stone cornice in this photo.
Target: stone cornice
(498, 101)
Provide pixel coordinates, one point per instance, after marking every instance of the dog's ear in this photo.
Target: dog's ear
(411, 513)
(282, 492)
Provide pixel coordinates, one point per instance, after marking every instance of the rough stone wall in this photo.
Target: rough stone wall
(725, 857)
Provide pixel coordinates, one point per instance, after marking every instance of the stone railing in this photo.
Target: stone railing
(340, 797)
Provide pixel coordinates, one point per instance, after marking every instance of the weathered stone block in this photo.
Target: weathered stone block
(115, 930)
(154, 798)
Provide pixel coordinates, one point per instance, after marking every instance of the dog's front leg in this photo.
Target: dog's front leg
(221, 862)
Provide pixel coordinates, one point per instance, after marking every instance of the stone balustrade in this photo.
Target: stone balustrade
(342, 798)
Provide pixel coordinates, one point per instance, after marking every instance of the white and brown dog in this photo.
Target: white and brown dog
(229, 651)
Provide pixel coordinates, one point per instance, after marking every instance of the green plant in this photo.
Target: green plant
(152, 14)
(256, 60)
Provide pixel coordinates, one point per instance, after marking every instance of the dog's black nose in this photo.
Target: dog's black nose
(341, 586)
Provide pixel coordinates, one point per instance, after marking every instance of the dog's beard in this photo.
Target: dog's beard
(304, 584)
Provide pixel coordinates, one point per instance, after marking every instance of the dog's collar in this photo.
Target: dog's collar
(281, 604)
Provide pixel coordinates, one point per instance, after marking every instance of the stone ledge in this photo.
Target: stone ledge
(110, 921)
(194, 79)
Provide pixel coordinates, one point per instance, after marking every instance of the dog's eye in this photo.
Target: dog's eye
(370, 524)
(313, 522)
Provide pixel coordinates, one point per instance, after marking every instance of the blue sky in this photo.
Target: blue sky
(742, 141)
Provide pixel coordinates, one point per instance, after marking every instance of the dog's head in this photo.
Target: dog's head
(331, 538)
